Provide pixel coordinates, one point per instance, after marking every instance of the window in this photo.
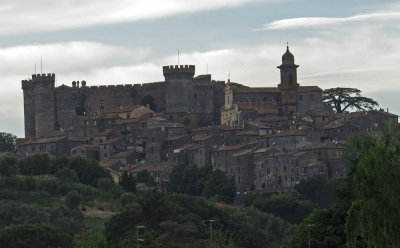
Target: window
(290, 79)
(312, 97)
(300, 97)
(238, 170)
(195, 97)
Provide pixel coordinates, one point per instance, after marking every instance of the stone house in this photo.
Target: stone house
(54, 146)
(86, 151)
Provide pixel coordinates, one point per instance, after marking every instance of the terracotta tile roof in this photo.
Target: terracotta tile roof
(174, 138)
(140, 112)
(245, 106)
(281, 154)
(312, 164)
(242, 153)
(108, 163)
(333, 125)
(325, 145)
(104, 133)
(256, 90)
(246, 133)
(261, 150)
(227, 128)
(123, 154)
(188, 147)
(309, 88)
(257, 124)
(202, 138)
(383, 113)
(44, 140)
(89, 146)
(110, 141)
(229, 148)
(201, 129)
(294, 132)
(131, 167)
(152, 168)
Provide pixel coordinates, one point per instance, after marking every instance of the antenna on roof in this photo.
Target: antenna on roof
(207, 68)
(229, 76)
(178, 57)
(287, 44)
(35, 68)
(41, 65)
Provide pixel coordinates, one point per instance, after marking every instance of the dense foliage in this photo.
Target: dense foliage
(7, 142)
(193, 180)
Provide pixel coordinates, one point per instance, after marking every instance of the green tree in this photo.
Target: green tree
(33, 236)
(7, 142)
(58, 163)
(374, 213)
(219, 185)
(221, 239)
(37, 164)
(289, 206)
(341, 99)
(127, 182)
(67, 175)
(189, 179)
(8, 166)
(317, 189)
(145, 177)
(73, 199)
(95, 239)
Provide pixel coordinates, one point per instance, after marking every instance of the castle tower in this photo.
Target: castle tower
(179, 89)
(288, 85)
(39, 104)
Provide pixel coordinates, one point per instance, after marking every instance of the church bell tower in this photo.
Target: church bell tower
(288, 85)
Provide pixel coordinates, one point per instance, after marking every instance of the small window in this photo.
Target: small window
(300, 97)
(195, 97)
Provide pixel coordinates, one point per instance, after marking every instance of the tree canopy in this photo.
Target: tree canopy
(7, 142)
(342, 99)
(375, 213)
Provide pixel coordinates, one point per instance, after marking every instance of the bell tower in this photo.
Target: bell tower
(288, 85)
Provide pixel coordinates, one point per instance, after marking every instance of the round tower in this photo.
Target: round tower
(288, 85)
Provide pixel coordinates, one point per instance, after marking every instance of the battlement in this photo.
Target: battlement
(179, 72)
(40, 81)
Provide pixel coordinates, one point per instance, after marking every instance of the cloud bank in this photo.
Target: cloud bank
(26, 16)
(315, 22)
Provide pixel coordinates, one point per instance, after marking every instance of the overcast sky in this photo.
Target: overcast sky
(347, 43)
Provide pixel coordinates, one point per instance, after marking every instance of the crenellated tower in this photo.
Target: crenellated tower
(179, 89)
(288, 85)
(39, 104)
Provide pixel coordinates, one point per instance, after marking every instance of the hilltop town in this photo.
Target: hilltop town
(268, 138)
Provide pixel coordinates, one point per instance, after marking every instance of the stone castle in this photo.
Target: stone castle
(182, 97)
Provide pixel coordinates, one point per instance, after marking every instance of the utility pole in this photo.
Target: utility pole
(309, 240)
(211, 231)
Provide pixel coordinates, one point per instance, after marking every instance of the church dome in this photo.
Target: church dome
(287, 58)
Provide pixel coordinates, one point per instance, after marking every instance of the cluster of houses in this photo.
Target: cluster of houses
(264, 153)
